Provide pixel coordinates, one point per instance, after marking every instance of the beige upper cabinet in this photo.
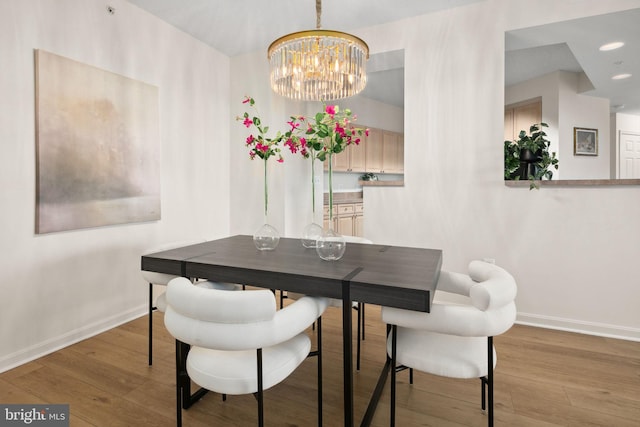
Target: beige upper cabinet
(385, 152)
(351, 159)
(521, 116)
(392, 152)
(374, 151)
(380, 152)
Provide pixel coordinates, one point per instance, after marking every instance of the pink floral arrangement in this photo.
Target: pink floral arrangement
(260, 145)
(329, 132)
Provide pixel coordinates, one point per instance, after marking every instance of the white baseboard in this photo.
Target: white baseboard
(579, 326)
(26, 355)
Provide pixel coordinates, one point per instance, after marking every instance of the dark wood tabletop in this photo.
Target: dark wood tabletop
(385, 275)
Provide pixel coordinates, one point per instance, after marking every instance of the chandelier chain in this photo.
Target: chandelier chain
(318, 13)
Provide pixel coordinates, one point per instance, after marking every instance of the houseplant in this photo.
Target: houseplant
(528, 157)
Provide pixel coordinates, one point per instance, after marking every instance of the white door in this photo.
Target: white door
(629, 155)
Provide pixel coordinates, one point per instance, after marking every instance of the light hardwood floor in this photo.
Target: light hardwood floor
(543, 378)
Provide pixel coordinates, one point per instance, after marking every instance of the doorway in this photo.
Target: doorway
(629, 158)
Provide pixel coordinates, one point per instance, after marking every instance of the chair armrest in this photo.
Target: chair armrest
(461, 320)
(493, 287)
(455, 283)
(298, 316)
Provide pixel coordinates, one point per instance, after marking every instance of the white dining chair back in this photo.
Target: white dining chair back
(240, 343)
(163, 279)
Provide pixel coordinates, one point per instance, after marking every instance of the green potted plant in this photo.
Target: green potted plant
(528, 157)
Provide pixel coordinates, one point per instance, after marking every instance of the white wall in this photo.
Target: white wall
(582, 111)
(572, 250)
(62, 287)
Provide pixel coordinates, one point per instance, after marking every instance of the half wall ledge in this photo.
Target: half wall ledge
(575, 183)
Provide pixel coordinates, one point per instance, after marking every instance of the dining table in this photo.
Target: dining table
(386, 275)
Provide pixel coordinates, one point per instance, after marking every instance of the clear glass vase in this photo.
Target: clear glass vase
(331, 245)
(312, 232)
(266, 238)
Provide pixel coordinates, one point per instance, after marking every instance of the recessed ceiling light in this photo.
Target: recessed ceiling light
(621, 76)
(611, 46)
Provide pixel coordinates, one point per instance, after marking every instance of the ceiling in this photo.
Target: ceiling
(236, 27)
(574, 46)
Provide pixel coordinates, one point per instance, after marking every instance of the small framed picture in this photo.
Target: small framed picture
(585, 142)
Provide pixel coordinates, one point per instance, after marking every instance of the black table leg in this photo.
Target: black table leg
(347, 354)
(377, 392)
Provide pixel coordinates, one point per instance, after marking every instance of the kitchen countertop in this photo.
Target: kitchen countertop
(344, 197)
(379, 183)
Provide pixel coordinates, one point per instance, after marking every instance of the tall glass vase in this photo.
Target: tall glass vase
(313, 230)
(266, 238)
(331, 245)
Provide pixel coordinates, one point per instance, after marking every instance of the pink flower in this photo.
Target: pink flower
(250, 139)
(303, 142)
(366, 131)
(294, 125)
(330, 110)
(247, 122)
(252, 154)
(280, 159)
(247, 99)
(292, 147)
(340, 130)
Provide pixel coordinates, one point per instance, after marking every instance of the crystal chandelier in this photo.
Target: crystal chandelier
(318, 65)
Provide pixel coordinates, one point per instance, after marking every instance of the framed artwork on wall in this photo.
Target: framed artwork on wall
(585, 142)
(97, 147)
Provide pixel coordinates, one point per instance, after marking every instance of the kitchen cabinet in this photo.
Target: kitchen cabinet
(384, 152)
(347, 218)
(350, 160)
(380, 152)
(392, 152)
(521, 116)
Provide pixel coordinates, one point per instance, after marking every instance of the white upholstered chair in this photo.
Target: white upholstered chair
(359, 307)
(455, 339)
(240, 343)
(162, 279)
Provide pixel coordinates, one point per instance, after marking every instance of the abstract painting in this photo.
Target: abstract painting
(97, 147)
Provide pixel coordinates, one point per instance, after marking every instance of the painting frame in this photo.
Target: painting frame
(585, 141)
